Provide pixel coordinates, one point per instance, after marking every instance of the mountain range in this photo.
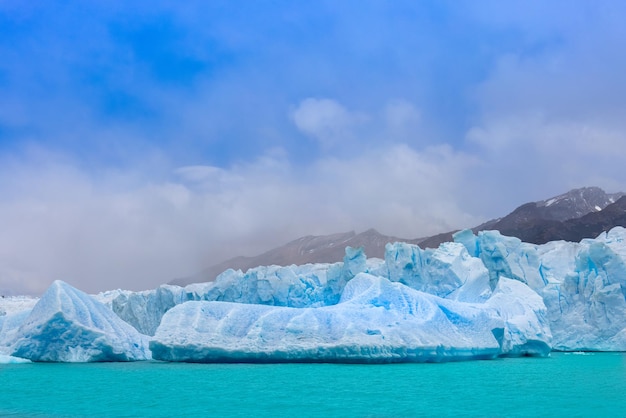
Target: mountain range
(572, 216)
(559, 217)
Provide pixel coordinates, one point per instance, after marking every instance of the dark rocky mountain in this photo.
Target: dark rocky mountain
(572, 216)
(576, 203)
(533, 222)
(587, 226)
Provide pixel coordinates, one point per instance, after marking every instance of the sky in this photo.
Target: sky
(144, 141)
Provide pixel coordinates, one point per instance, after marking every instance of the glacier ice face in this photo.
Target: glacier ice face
(13, 312)
(9, 325)
(310, 285)
(505, 256)
(588, 308)
(375, 321)
(583, 285)
(615, 239)
(481, 296)
(294, 286)
(144, 310)
(448, 271)
(526, 326)
(467, 238)
(67, 325)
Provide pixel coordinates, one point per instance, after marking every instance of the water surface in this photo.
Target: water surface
(561, 385)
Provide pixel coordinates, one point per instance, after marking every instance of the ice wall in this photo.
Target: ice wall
(310, 285)
(375, 321)
(448, 271)
(583, 285)
(569, 296)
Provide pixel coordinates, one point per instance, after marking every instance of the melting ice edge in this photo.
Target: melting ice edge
(482, 296)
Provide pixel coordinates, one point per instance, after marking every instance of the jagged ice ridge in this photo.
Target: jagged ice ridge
(482, 296)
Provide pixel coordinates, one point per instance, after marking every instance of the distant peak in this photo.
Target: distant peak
(370, 231)
(586, 188)
(590, 196)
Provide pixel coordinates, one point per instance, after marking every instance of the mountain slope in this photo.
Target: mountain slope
(572, 216)
(587, 226)
(537, 222)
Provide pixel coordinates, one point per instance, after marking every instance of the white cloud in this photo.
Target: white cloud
(98, 234)
(326, 120)
(551, 116)
(548, 116)
(530, 156)
(401, 114)
(198, 173)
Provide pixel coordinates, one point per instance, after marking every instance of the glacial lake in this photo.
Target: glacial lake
(564, 384)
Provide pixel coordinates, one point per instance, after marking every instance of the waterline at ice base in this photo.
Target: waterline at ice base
(482, 296)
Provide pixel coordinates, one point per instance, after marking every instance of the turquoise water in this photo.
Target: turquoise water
(561, 385)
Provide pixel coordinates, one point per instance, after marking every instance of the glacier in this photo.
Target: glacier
(311, 285)
(583, 285)
(375, 321)
(483, 295)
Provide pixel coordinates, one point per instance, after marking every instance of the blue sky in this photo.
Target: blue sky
(142, 141)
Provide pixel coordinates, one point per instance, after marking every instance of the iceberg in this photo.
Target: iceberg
(67, 325)
(375, 321)
(4, 359)
(482, 296)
